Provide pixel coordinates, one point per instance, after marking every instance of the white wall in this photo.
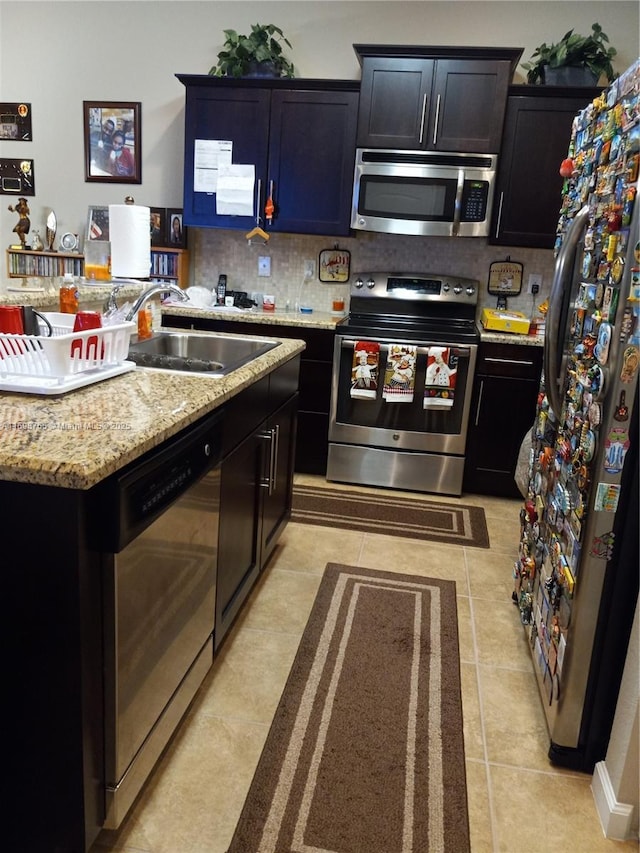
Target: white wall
(55, 54)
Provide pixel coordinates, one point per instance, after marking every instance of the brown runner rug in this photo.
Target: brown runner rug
(365, 753)
(413, 518)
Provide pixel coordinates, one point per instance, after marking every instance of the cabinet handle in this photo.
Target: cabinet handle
(275, 448)
(422, 117)
(510, 361)
(258, 197)
(273, 437)
(499, 214)
(479, 402)
(435, 126)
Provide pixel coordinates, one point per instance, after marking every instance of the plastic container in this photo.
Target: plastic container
(69, 296)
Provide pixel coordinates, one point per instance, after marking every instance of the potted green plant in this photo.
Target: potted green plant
(257, 55)
(574, 61)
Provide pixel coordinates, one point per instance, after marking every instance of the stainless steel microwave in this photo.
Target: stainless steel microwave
(423, 192)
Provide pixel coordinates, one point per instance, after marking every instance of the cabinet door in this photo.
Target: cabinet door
(311, 157)
(468, 105)
(240, 116)
(529, 186)
(277, 482)
(395, 97)
(238, 554)
(502, 410)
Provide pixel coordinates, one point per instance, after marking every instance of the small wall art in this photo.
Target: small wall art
(17, 177)
(15, 122)
(334, 265)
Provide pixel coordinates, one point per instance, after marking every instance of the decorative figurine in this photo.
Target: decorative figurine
(24, 223)
(52, 224)
(36, 241)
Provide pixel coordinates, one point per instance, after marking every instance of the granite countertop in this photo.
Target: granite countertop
(76, 440)
(316, 319)
(510, 338)
(46, 296)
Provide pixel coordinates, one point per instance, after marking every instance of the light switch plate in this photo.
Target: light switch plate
(264, 265)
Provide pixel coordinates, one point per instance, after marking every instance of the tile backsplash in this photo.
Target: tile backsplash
(215, 251)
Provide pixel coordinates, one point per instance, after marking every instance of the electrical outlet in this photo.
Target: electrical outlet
(264, 265)
(309, 268)
(535, 283)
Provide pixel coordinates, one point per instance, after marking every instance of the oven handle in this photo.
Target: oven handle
(460, 351)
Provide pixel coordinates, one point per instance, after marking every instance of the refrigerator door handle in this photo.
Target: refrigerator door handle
(561, 279)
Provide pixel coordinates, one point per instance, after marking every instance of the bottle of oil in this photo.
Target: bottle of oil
(69, 295)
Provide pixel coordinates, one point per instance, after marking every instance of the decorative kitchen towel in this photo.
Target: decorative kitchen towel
(400, 373)
(364, 372)
(440, 381)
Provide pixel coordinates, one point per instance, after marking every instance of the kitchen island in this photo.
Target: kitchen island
(57, 456)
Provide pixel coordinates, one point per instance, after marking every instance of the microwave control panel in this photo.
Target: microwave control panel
(474, 201)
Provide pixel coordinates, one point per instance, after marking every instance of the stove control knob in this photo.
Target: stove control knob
(359, 283)
(470, 290)
(457, 290)
(371, 284)
(446, 287)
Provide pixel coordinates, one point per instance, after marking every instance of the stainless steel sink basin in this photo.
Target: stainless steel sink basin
(215, 355)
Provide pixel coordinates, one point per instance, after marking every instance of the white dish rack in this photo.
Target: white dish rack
(66, 360)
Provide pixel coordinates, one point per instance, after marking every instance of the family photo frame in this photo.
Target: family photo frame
(112, 142)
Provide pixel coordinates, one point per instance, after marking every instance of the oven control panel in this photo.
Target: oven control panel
(417, 287)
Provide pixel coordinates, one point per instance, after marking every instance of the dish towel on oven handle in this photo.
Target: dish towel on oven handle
(364, 370)
(400, 373)
(440, 381)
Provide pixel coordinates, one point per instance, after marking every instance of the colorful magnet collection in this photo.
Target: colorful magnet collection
(602, 354)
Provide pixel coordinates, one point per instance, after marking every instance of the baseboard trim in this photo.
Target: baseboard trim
(615, 817)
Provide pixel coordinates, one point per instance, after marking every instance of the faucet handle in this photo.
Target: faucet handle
(111, 304)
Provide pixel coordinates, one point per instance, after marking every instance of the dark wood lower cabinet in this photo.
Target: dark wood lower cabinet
(503, 407)
(256, 486)
(312, 444)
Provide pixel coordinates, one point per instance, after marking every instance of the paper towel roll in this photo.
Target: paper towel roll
(130, 235)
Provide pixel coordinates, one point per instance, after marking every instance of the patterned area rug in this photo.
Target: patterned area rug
(413, 518)
(366, 753)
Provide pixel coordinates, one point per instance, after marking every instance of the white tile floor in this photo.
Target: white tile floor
(517, 800)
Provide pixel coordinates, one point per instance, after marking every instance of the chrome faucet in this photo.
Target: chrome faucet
(110, 304)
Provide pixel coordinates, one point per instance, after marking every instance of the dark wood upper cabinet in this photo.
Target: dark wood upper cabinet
(298, 134)
(438, 99)
(537, 131)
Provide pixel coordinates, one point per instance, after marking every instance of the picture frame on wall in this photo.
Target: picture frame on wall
(112, 141)
(158, 225)
(176, 236)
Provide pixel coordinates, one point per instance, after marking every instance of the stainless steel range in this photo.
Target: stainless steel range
(403, 370)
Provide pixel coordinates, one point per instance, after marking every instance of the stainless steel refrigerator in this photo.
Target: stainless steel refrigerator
(576, 576)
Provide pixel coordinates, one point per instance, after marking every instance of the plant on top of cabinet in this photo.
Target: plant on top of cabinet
(256, 55)
(589, 54)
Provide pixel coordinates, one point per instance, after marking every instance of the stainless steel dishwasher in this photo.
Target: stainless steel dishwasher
(159, 551)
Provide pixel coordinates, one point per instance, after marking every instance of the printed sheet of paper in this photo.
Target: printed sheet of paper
(208, 156)
(235, 189)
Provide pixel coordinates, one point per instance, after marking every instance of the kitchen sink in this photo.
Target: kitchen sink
(215, 355)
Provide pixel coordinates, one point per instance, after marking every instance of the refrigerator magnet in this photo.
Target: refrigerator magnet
(601, 349)
(630, 362)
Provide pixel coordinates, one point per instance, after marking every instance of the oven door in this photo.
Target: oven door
(378, 422)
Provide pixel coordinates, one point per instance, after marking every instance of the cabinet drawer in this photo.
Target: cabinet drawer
(523, 362)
